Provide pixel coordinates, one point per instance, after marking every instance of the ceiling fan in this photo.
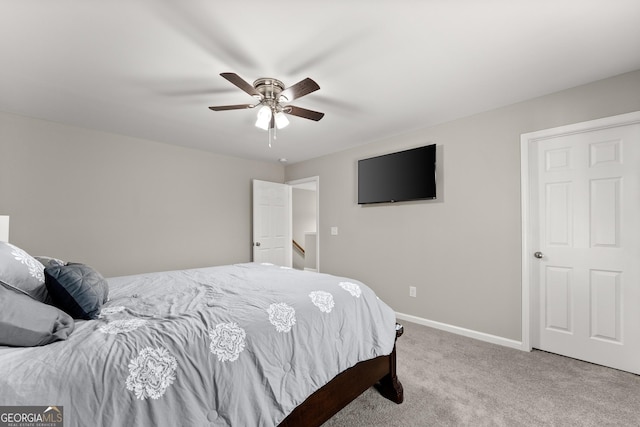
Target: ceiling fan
(272, 94)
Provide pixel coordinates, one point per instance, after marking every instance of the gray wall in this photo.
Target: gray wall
(121, 204)
(463, 252)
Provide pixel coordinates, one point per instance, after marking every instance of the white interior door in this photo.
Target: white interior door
(271, 223)
(585, 208)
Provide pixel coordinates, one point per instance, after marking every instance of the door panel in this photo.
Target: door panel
(559, 214)
(605, 212)
(606, 304)
(558, 299)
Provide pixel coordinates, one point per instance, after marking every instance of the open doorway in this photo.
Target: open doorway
(305, 218)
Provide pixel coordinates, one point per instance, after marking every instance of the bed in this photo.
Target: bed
(246, 344)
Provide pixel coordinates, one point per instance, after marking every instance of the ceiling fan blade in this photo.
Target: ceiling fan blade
(238, 81)
(299, 89)
(231, 107)
(303, 112)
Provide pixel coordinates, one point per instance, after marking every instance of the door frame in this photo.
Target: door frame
(316, 180)
(528, 165)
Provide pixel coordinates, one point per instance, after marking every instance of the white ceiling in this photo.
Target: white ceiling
(151, 68)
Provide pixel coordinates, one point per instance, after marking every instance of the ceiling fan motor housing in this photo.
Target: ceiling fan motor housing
(269, 88)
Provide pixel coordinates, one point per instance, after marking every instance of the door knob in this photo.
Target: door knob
(257, 243)
(538, 255)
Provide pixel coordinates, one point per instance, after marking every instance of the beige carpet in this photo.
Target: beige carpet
(450, 380)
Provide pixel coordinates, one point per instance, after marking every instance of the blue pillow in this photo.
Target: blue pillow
(76, 289)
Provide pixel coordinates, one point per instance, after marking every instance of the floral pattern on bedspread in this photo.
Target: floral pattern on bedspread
(323, 300)
(352, 288)
(121, 326)
(282, 316)
(106, 311)
(151, 372)
(227, 341)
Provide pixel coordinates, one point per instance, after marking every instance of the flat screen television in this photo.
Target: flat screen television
(398, 177)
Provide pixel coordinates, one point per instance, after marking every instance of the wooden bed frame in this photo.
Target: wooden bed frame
(344, 388)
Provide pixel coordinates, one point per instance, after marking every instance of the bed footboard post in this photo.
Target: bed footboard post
(389, 386)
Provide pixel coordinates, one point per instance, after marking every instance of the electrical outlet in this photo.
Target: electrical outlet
(412, 291)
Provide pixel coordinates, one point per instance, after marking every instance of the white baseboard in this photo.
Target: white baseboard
(463, 331)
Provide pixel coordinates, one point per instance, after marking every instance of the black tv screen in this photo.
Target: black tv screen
(396, 177)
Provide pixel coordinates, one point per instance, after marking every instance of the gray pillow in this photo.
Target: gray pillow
(22, 272)
(77, 289)
(25, 322)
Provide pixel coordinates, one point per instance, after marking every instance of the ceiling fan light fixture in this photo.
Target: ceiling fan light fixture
(264, 117)
(281, 120)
